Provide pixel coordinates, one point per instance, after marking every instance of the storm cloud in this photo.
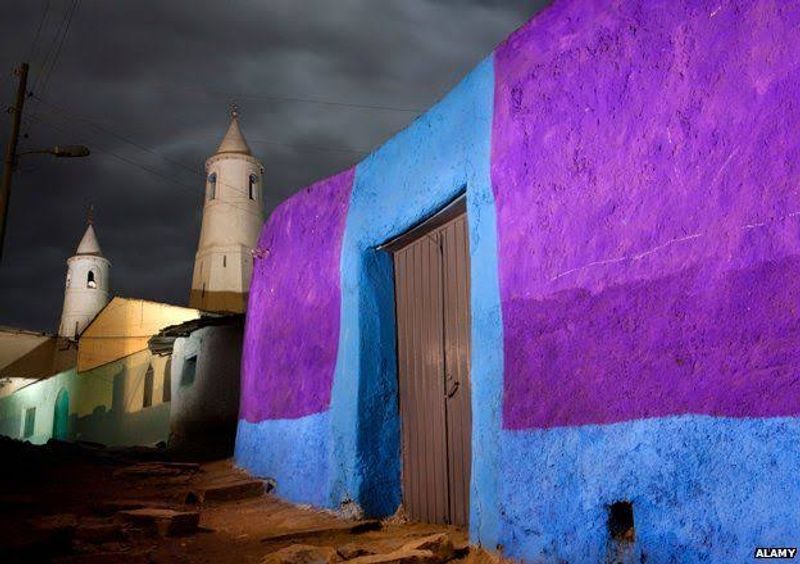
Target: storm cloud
(147, 86)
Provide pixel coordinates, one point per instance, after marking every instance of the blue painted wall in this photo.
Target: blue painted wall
(704, 489)
(411, 177)
(351, 452)
(294, 452)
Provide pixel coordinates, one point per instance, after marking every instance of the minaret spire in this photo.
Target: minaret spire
(86, 290)
(234, 141)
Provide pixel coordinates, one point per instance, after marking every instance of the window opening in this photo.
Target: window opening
(252, 186)
(189, 370)
(30, 420)
(212, 185)
(620, 521)
(167, 393)
(147, 397)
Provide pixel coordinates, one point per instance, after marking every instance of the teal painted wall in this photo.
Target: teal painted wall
(100, 405)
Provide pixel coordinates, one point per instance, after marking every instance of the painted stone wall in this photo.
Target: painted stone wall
(288, 367)
(320, 385)
(105, 405)
(646, 164)
(632, 172)
(204, 409)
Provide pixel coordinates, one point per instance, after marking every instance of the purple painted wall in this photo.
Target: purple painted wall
(646, 170)
(292, 330)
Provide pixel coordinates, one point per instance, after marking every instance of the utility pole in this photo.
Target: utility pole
(10, 162)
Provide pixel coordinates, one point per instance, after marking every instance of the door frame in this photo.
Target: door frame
(444, 215)
(449, 211)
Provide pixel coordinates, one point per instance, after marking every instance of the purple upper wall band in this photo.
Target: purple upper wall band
(646, 185)
(292, 329)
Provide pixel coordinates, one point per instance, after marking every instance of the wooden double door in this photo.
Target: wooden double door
(431, 265)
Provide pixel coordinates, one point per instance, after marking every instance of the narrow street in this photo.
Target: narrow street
(80, 503)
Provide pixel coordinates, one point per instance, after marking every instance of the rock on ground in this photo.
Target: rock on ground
(302, 554)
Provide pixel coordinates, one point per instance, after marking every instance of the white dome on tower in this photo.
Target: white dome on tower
(87, 286)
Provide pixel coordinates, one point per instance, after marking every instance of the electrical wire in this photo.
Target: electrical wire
(126, 139)
(51, 57)
(292, 99)
(191, 188)
(130, 141)
(34, 44)
(47, 72)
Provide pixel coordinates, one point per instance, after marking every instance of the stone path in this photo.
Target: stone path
(66, 503)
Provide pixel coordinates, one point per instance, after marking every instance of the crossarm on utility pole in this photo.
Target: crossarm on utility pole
(10, 161)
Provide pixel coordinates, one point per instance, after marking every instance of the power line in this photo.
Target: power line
(173, 180)
(138, 165)
(130, 141)
(126, 139)
(114, 134)
(295, 99)
(52, 55)
(34, 44)
(57, 54)
(310, 147)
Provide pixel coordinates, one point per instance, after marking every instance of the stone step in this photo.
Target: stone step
(98, 533)
(301, 554)
(156, 469)
(114, 506)
(165, 522)
(401, 556)
(231, 491)
(352, 527)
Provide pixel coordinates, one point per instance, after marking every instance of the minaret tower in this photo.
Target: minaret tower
(232, 218)
(87, 284)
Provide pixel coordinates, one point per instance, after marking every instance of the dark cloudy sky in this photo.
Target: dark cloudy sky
(146, 84)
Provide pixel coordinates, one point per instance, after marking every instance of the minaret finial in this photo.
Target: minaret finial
(90, 215)
(234, 110)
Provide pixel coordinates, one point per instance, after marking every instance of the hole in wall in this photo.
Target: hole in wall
(620, 521)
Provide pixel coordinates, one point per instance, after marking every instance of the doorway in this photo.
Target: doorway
(432, 292)
(61, 416)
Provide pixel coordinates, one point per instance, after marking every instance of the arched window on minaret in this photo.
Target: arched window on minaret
(212, 185)
(90, 281)
(253, 183)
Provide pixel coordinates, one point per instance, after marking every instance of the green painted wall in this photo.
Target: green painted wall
(105, 405)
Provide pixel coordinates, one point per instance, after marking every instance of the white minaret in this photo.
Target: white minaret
(87, 285)
(232, 218)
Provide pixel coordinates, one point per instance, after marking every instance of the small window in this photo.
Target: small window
(147, 399)
(212, 185)
(76, 330)
(620, 521)
(90, 281)
(224, 261)
(30, 421)
(167, 392)
(188, 372)
(252, 186)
